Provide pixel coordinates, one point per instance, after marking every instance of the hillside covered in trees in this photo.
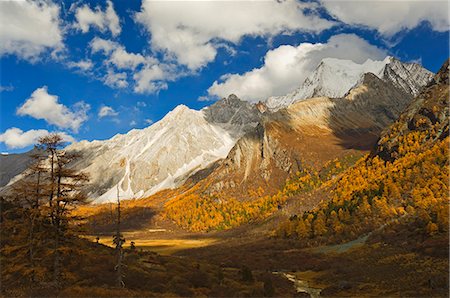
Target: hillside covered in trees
(404, 180)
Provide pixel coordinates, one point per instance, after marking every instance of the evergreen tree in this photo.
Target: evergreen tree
(64, 188)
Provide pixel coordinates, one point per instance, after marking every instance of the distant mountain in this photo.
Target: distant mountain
(163, 155)
(307, 133)
(144, 161)
(333, 78)
(236, 145)
(14, 164)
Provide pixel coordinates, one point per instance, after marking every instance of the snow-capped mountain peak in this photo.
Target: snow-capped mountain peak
(166, 153)
(335, 77)
(160, 156)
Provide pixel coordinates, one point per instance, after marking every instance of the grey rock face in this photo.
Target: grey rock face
(234, 115)
(410, 77)
(12, 165)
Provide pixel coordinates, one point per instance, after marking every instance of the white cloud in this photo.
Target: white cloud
(116, 79)
(82, 64)
(29, 28)
(117, 55)
(42, 105)
(123, 59)
(15, 138)
(6, 88)
(150, 75)
(286, 67)
(152, 78)
(390, 17)
(106, 111)
(148, 121)
(103, 45)
(133, 123)
(102, 20)
(190, 31)
(205, 98)
(141, 104)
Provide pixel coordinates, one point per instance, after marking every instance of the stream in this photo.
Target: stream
(301, 286)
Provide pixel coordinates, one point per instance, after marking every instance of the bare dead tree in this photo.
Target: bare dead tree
(118, 240)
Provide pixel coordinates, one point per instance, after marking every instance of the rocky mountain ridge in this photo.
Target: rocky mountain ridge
(429, 114)
(237, 142)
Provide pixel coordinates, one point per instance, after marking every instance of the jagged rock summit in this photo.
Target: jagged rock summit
(333, 78)
(428, 113)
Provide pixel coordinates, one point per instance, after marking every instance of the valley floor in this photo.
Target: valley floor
(373, 265)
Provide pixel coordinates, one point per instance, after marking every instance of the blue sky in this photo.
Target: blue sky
(92, 70)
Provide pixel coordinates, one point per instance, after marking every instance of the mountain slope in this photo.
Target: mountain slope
(335, 77)
(308, 133)
(161, 156)
(14, 164)
(429, 113)
(401, 188)
(295, 144)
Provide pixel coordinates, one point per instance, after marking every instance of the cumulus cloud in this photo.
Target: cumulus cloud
(42, 105)
(390, 17)
(148, 121)
(116, 53)
(153, 78)
(286, 67)
(102, 20)
(106, 111)
(102, 45)
(29, 28)
(116, 79)
(149, 74)
(191, 31)
(82, 64)
(15, 138)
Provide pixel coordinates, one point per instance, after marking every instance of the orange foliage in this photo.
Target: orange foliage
(373, 193)
(197, 212)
